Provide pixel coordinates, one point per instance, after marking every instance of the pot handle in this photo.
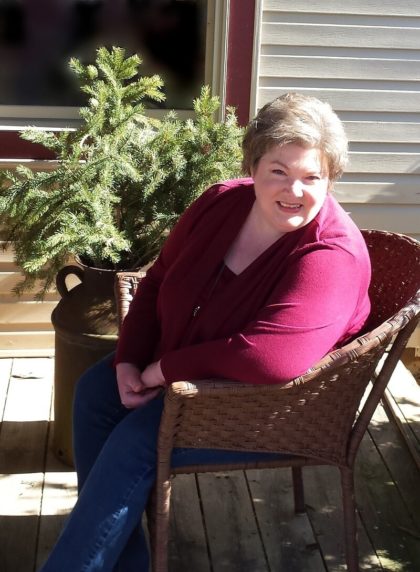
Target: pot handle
(62, 274)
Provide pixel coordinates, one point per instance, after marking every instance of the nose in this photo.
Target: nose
(294, 186)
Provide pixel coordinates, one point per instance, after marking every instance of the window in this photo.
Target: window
(37, 39)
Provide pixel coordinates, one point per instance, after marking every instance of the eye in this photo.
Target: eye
(278, 172)
(313, 177)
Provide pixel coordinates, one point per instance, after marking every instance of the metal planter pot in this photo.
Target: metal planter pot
(85, 324)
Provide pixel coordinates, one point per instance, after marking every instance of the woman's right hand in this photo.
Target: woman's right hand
(133, 392)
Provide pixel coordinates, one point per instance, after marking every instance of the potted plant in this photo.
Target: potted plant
(120, 183)
(122, 178)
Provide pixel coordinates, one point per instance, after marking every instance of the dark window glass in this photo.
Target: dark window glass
(38, 37)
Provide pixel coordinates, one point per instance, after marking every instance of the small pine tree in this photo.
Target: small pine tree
(122, 178)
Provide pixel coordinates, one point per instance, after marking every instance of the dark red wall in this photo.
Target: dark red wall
(13, 147)
(239, 61)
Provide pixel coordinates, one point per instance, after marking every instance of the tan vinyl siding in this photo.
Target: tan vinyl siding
(352, 7)
(363, 57)
(25, 325)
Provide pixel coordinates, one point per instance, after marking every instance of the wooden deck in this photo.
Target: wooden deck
(236, 522)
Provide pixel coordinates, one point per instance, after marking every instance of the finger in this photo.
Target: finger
(130, 385)
(139, 400)
(136, 386)
(133, 400)
(129, 399)
(146, 397)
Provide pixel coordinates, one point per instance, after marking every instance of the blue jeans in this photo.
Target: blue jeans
(115, 457)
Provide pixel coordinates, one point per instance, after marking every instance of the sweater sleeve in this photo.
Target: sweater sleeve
(140, 331)
(299, 324)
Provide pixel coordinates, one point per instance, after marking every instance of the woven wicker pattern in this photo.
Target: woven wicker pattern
(274, 418)
(314, 417)
(126, 284)
(393, 256)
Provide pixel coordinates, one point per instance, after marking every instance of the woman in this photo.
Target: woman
(260, 278)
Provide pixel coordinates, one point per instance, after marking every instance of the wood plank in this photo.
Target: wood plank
(187, 540)
(324, 506)
(339, 67)
(288, 537)
(366, 100)
(26, 415)
(399, 461)
(373, 7)
(390, 525)
(59, 496)
(19, 508)
(414, 341)
(32, 343)
(24, 353)
(22, 442)
(303, 34)
(58, 499)
(235, 544)
(406, 393)
(402, 399)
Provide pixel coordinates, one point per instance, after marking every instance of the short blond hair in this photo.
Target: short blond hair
(302, 120)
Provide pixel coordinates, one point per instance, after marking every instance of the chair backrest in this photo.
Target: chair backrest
(395, 262)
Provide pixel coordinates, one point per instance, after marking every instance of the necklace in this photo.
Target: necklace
(212, 289)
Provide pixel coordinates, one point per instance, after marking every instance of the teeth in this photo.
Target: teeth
(289, 206)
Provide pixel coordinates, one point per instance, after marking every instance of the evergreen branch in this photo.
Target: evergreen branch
(122, 178)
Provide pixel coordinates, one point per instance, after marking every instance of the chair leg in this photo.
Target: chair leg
(298, 491)
(159, 529)
(350, 521)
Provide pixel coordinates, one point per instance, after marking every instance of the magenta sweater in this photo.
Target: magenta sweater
(301, 297)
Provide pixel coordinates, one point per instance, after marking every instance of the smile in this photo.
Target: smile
(289, 206)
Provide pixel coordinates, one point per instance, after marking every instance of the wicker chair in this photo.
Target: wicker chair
(315, 418)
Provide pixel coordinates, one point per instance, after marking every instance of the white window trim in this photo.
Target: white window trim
(256, 51)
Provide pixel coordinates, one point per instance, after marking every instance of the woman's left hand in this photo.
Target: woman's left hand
(152, 376)
(133, 392)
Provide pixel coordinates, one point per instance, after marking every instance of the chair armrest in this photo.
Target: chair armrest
(126, 284)
(311, 415)
(218, 387)
(223, 414)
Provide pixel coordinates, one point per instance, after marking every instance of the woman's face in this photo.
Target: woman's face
(291, 183)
